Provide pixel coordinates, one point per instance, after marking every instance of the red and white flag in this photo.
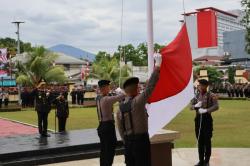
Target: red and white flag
(174, 89)
(3, 55)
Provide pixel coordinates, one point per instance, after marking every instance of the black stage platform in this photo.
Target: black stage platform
(36, 150)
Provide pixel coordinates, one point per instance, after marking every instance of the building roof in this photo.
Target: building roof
(66, 59)
(209, 58)
(61, 59)
(214, 9)
(218, 10)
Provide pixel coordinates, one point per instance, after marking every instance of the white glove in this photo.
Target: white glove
(202, 111)
(198, 105)
(119, 91)
(158, 59)
(47, 94)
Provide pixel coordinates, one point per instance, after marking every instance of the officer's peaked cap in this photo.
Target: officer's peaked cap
(203, 82)
(103, 83)
(131, 81)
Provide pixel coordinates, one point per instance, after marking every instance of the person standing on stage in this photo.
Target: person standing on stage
(204, 103)
(62, 112)
(43, 107)
(106, 128)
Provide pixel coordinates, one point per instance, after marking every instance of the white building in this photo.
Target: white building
(206, 27)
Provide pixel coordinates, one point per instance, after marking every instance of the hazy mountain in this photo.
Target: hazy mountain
(73, 51)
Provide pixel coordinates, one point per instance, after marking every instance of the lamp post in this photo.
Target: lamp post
(17, 23)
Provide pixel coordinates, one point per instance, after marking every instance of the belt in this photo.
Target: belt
(107, 122)
(136, 136)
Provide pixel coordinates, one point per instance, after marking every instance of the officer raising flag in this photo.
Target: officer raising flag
(132, 119)
(106, 128)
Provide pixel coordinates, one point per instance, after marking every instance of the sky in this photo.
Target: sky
(95, 25)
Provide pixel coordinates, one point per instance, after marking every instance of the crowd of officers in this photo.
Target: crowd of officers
(232, 90)
(77, 94)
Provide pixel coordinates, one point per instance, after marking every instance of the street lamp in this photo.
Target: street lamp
(18, 52)
(17, 32)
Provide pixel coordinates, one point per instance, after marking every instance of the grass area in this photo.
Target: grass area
(231, 123)
(79, 118)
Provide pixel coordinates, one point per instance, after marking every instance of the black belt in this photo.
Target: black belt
(136, 136)
(107, 122)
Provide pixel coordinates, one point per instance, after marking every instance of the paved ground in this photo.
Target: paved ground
(186, 157)
(9, 128)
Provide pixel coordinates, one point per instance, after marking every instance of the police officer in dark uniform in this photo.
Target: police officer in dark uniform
(132, 119)
(73, 96)
(106, 128)
(43, 107)
(62, 112)
(204, 103)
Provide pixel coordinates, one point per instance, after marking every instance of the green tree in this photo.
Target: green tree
(110, 70)
(246, 22)
(138, 55)
(39, 66)
(11, 44)
(231, 74)
(102, 54)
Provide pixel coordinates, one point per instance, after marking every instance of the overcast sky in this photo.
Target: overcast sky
(94, 25)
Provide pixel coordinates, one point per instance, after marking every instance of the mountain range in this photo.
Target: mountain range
(73, 51)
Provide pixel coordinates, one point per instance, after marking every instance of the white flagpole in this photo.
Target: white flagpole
(150, 36)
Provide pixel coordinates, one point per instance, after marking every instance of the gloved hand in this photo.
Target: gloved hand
(198, 105)
(202, 111)
(158, 59)
(119, 91)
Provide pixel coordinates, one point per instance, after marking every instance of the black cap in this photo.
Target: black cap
(131, 81)
(103, 83)
(203, 82)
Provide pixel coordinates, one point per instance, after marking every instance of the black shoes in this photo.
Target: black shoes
(45, 135)
(200, 164)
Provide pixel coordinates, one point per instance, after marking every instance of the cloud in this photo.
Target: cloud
(94, 25)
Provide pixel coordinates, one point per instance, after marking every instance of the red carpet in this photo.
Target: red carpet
(8, 128)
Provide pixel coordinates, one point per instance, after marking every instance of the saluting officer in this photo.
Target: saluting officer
(62, 112)
(132, 119)
(204, 103)
(106, 128)
(43, 107)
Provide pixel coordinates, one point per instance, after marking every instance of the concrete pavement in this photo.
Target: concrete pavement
(185, 157)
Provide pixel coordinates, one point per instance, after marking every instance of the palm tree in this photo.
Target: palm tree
(109, 69)
(39, 66)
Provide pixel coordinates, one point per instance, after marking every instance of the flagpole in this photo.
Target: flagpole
(150, 36)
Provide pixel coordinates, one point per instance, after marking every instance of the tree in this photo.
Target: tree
(110, 70)
(11, 44)
(102, 54)
(138, 55)
(39, 66)
(246, 22)
(231, 74)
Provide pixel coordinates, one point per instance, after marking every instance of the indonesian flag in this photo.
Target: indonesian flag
(174, 89)
(3, 55)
